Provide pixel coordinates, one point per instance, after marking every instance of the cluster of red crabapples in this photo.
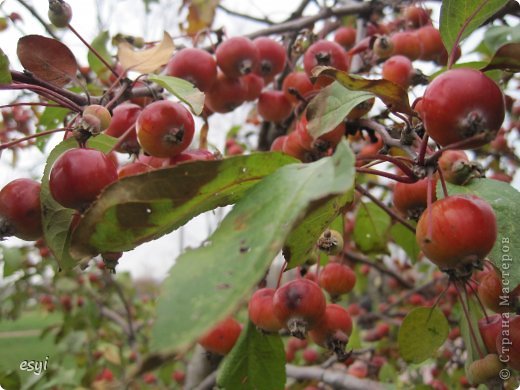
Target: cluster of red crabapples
(298, 307)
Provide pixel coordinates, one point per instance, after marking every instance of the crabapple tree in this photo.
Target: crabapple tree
(373, 232)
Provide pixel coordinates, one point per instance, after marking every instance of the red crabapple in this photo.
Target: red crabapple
(194, 65)
(165, 128)
(79, 175)
(462, 103)
(299, 305)
(457, 231)
(20, 211)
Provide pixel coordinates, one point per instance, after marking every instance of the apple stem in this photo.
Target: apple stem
(456, 145)
(466, 314)
(402, 179)
(284, 266)
(94, 51)
(422, 151)
(121, 138)
(443, 183)
(203, 136)
(478, 300)
(399, 162)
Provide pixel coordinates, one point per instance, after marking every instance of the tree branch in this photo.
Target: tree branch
(265, 20)
(385, 136)
(307, 21)
(359, 258)
(333, 378)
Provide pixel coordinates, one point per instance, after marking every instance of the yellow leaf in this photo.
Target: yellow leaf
(200, 15)
(148, 60)
(393, 95)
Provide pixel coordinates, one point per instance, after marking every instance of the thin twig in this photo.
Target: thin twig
(265, 20)
(388, 210)
(402, 179)
(387, 139)
(121, 295)
(94, 51)
(308, 21)
(38, 18)
(35, 135)
(359, 258)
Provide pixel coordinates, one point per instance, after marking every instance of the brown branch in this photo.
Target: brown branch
(22, 77)
(128, 312)
(359, 258)
(115, 317)
(298, 12)
(413, 291)
(265, 20)
(308, 21)
(385, 136)
(334, 378)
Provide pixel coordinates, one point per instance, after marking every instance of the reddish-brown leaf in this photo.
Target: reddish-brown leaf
(47, 58)
(506, 58)
(393, 95)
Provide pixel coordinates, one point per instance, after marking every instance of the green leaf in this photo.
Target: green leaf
(459, 18)
(10, 379)
(371, 229)
(5, 73)
(100, 45)
(13, 260)
(497, 36)
(394, 96)
(51, 118)
(257, 362)
(302, 240)
(405, 238)
(504, 200)
(207, 284)
(141, 208)
(330, 107)
(183, 90)
(387, 373)
(56, 219)
(422, 333)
